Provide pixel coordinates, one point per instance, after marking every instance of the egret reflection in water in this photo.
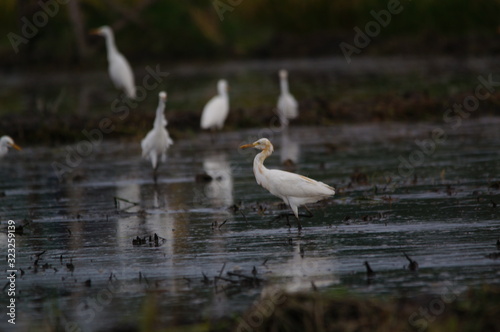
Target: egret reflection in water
(306, 266)
(290, 150)
(331, 250)
(130, 192)
(218, 191)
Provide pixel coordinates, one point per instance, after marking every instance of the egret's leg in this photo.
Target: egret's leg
(154, 160)
(310, 214)
(155, 168)
(295, 210)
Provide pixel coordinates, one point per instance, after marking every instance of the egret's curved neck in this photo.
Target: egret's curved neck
(258, 162)
(159, 120)
(223, 92)
(284, 85)
(110, 44)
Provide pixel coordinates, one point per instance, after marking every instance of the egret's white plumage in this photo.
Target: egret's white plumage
(295, 190)
(288, 107)
(119, 69)
(157, 141)
(7, 142)
(216, 110)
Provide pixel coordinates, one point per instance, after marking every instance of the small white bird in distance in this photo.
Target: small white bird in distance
(119, 69)
(216, 110)
(155, 144)
(7, 142)
(288, 107)
(295, 190)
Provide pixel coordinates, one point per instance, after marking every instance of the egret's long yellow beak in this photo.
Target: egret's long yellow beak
(15, 146)
(94, 32)
(246, 146)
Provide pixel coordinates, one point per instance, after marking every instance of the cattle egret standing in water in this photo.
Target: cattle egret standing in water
(7, 142)
(157, 141)
(295, 190)
(216, 110)
(119, 69)
(287, 105)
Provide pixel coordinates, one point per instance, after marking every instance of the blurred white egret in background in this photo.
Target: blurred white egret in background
(216, 110)
(295, 190)
(119, 69)
(157, 141)
(7, 142)
(288, 107)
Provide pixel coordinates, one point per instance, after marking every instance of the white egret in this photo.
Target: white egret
(216, 110)
(157, 141)
(7, 142)
(295, 190)
(288, 107)
(119, 69)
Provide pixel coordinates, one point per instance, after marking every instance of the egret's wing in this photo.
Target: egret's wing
(121, 74)
(156, 142)
(147, 143)
(215, 112)
(282, 183)
(168, 139)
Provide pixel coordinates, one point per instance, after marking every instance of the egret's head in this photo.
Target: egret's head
(283, 74)
(222, 86)
(261, 144)
(163, 96)
(9, 142)
(102, 31)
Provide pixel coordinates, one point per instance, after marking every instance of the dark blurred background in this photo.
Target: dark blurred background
(179, 30)
(54, 80)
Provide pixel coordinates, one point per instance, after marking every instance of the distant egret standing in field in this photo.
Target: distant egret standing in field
(288, 107)
(157, 141)
(216, 110)
(295, 190)
(119, 69)
(7, 142)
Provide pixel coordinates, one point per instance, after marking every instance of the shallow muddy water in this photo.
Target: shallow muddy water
(84, 266)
